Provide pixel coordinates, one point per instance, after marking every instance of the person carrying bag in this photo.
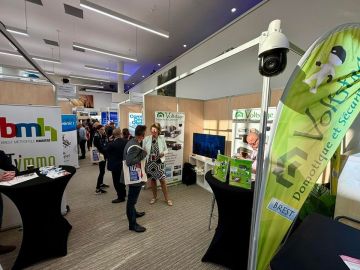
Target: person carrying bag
(133, 175)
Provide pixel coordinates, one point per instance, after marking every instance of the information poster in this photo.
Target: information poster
(244, 121)
(113, 117)
(172, 128)
(69, 140)
(221, 167)
(240, 173)
(30, 135)
(105, 118)
(135, 119)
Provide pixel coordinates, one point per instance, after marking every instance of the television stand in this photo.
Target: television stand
(202, 166)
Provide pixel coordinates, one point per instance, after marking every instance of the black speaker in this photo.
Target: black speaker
(65, 80)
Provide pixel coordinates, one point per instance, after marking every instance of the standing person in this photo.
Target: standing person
(8, 173)
(115, 151)
(88, 143)
(82, 140)
(92, 131)
(109, 129)
(132, 157)
(253, 140)
(156, 148)
(100, 142)
(126, 134)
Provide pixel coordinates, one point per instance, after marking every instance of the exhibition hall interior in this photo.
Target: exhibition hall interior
(165, 134)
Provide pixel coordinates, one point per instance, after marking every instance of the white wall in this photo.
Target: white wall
(302, 22)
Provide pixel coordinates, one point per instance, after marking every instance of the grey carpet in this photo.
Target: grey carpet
(176, 238)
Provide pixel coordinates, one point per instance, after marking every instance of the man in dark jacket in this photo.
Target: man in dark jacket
(132, 157)
(115, 151)
(100, 142)
(8, 173)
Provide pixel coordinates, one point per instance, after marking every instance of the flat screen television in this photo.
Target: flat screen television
(208, 145)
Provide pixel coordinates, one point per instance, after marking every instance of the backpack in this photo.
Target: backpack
(189, 174)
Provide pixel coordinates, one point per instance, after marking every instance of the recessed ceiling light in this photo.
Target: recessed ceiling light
(233, 10)
(10, 53)
(97, 50)
(39, 58)
(133, 83)
(120, 17)
(159, 65)
(106, 70)
(143, 76)
(88, 78)
(17, 31)
(184, 45)
(89, 85)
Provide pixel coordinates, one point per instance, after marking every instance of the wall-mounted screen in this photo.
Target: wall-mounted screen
(208, 145)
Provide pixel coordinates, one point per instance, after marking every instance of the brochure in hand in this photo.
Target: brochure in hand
(240, 173)
(221, 167)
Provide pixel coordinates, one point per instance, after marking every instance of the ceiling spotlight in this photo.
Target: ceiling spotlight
(159, 65)
(123, 18)
(233, 10)
(184, 45)
(97, 50)
(133, 83)
(143, 76)
(106, 70)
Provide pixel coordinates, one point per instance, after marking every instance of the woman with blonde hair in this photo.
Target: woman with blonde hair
(156, 149)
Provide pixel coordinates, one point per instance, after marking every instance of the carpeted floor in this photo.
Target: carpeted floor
(176, 238)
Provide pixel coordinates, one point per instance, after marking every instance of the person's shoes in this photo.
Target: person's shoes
(153, 200)
(118, 200)
(100, 191)
(137, 228)
(104, 186)
(6, 249)
(140, 214)
(169, 202)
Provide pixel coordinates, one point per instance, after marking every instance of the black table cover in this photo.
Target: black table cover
(45, 230)
(230, 245)
(317, 244)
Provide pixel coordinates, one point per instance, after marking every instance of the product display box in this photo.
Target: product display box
(240, 173)
(221, 167)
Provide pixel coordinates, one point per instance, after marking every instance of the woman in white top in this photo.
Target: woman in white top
(156, 148)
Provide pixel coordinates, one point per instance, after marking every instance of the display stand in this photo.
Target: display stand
(202, 166)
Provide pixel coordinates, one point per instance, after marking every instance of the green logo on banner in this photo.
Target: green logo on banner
(318, 105)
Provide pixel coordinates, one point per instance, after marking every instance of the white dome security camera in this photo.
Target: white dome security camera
(273, 47)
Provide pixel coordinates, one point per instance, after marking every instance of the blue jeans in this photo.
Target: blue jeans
(133, 196)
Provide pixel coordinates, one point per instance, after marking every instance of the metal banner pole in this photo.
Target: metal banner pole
(259, 186)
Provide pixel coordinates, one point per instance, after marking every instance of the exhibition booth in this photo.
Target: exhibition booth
(210, 133)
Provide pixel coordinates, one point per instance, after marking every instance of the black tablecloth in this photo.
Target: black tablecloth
(230, 245)
(45, 230)
(317, 244)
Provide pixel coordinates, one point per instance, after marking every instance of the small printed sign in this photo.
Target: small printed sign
(282, 209)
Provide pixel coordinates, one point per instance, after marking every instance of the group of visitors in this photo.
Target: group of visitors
(114, 146)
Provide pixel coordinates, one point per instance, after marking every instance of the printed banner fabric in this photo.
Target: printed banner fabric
(320, 101)
(69, 140)
(172, 127)
(135, 119)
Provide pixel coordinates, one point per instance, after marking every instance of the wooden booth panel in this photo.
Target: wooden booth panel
(194, 121)
(124, 113)
(26, 93)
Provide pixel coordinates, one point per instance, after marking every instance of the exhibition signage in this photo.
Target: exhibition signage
(69, 140)
(113, 117)
(135, 119)
(30, 135)
(66, 90)
(253, 114)
(105, 118)
(172, 127)
(221, 167)
(318, 105)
